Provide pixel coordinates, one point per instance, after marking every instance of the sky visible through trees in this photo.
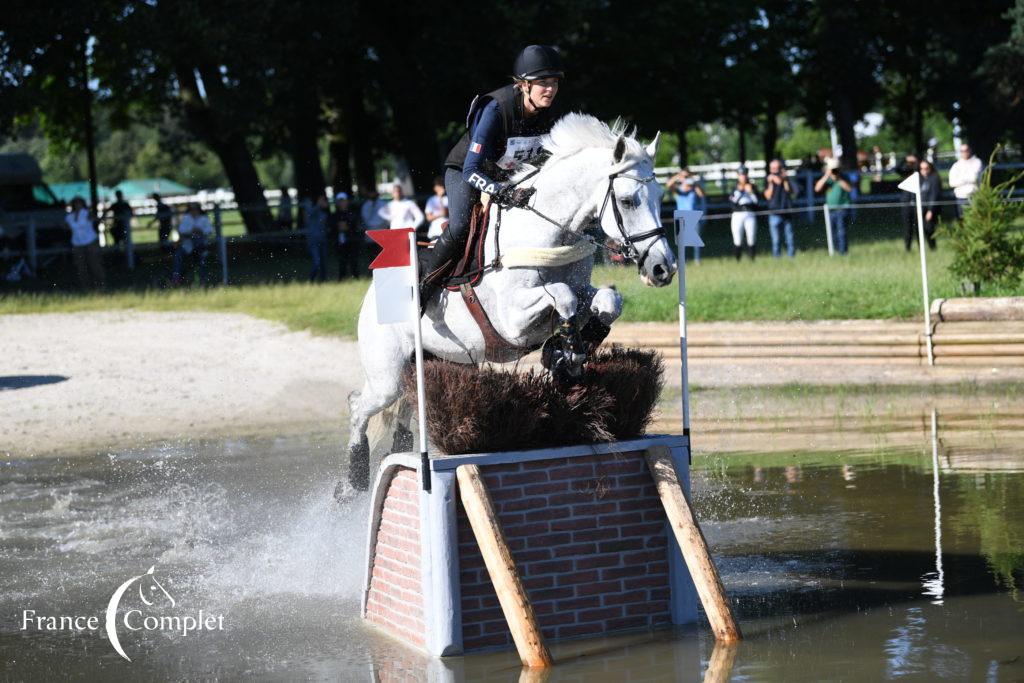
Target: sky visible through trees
(314, 93)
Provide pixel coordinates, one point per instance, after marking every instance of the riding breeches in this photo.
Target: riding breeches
(461, 198)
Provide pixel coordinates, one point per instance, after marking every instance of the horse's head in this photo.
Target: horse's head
(626, 198)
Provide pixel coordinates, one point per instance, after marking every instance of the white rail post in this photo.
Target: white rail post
(828, 229)
(913, 184)
(222, 245)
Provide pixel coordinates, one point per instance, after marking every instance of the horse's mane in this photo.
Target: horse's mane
(575, 132)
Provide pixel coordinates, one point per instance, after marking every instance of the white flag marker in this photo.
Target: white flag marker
(912, 183)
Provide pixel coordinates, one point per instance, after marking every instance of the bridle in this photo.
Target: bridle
(630, 250)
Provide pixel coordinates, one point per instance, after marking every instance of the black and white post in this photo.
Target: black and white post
(686, 236)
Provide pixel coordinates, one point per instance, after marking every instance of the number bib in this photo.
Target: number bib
(519, 150)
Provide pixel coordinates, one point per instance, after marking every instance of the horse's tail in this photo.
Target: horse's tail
(381, 427)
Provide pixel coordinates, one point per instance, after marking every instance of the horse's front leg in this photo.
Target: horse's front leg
(605, 306)
(563, 354)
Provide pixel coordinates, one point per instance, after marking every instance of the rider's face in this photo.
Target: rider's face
(543, 91)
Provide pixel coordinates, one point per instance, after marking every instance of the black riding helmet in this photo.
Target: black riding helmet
(538, 61)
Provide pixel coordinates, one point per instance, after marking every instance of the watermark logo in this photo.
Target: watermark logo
(158, 611)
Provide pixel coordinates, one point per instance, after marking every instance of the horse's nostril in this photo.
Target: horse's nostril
(659, 272)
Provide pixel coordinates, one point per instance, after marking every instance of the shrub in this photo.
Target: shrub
(987, 249)
(475, 410)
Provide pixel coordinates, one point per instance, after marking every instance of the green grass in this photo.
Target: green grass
(876, 280)
(330, 308)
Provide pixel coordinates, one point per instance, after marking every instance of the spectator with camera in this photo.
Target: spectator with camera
(688, 194)
(837, 189)
(779, 193)
(744, 222)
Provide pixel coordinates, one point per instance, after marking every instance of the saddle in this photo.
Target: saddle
(468, 272)
(469, 269)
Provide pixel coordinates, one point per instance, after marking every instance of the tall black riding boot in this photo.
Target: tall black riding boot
(753, 251)
(738, 252)
(443, 256)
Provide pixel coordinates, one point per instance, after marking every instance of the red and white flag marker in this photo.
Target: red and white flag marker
(912, 183)
(396, 277)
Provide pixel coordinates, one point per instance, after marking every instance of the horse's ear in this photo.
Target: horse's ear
(620, 149)
(652, 149)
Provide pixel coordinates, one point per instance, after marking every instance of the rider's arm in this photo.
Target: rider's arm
(485, 143)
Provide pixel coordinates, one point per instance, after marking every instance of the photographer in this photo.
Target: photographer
(779, 194)
(837, 189)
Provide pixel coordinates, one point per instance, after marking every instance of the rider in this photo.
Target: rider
(505, 129)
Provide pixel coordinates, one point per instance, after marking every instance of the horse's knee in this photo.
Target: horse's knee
(607, 305)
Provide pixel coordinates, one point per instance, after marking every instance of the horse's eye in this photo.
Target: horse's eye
(628, 203)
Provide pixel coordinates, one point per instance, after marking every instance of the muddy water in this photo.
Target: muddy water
(856, 563)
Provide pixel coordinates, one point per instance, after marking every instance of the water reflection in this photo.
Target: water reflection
(856, 563)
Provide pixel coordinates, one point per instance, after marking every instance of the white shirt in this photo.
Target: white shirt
(371, 212)
(82, 232)
(436, 205)
(963, 177)
(402, 213)
(190, 224)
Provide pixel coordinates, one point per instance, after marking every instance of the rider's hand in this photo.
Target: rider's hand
(515, 197)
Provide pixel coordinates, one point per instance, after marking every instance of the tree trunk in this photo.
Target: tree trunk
(743, 143)
(771, 133)
(339, 169)
(309, 174)
(362, 148)
(844, 128)
(683, 148)
(229, 146)
(919, 143)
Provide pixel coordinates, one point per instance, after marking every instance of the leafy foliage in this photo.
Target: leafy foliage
(987, 247)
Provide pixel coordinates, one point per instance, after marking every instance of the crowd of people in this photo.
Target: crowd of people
(343, 225)
(838, 188)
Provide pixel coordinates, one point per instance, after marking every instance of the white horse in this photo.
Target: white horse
(546, 261)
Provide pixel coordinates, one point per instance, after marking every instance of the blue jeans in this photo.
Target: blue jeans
(318, 255)
(841, 220)
(774, 222)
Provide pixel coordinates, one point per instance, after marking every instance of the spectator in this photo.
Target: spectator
(837, 191)
(744, 202)
(348, 238)
(779, 193)
(963, 178)
(686, 191)
(122, 215)
(878, 162)
(931, 191)
(437, 209)
(401, 212)
(164, 219)
(908, 204)
(85, 248)
(371, 211)
(285, 219)
(193, 232)
(316, 214)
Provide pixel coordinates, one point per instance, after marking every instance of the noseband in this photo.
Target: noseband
(629, 250)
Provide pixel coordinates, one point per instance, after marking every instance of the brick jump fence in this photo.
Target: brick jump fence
(585, 526)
